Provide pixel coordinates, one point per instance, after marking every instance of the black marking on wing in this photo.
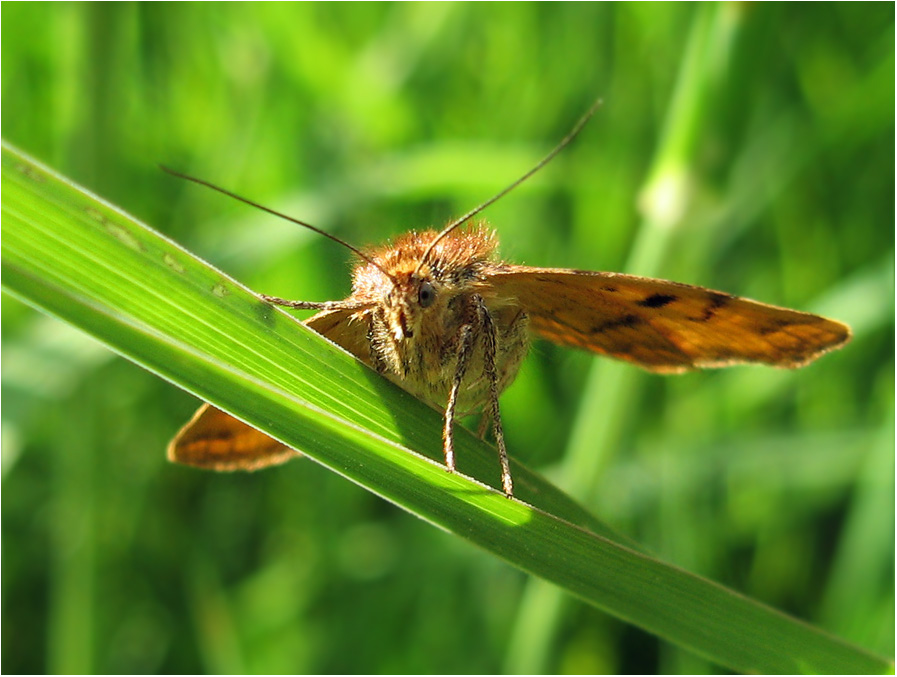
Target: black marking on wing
(657, 300)
(625, 321)
(717, 301)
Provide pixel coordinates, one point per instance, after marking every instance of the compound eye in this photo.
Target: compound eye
(427, 295)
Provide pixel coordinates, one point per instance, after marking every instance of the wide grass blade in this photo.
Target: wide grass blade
(78, 258)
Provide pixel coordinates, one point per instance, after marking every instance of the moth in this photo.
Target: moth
(440, 315)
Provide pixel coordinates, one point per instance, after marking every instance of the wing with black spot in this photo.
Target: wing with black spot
(659, 325)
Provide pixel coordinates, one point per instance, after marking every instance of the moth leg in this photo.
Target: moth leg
(489, 350)
(465, 347)
(314, 305)
(483, 425)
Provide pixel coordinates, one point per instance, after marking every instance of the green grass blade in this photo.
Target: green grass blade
(86, 262)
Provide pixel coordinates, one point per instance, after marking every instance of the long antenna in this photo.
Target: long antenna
(577, 128)
(207, 184)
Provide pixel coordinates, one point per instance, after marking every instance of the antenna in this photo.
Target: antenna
(577, 128)
(207, 184)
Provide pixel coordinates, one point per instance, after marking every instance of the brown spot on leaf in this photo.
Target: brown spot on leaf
(173, 263)
(30, 172)
(123, 235)
(95, 214)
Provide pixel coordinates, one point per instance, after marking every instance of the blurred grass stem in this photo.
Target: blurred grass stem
(611, 387)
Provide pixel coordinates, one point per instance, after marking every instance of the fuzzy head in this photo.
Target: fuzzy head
(417, 288)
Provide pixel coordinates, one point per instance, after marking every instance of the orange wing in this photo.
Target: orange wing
(217, 441)
(663, 326)
(346, 328)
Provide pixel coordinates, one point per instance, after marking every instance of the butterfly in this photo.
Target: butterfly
(440, 315)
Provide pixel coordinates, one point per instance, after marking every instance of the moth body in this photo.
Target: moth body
(416, 316)
(440, 316)
(437, 314)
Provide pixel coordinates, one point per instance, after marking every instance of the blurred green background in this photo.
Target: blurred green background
(369, 120)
